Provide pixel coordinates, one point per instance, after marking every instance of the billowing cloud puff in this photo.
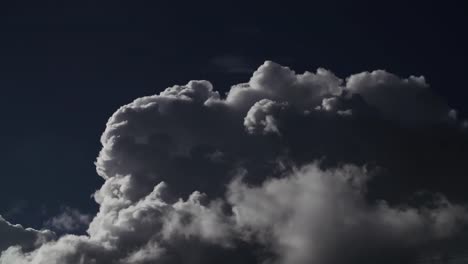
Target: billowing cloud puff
(275, 82)
(287, 168)
(261, 117)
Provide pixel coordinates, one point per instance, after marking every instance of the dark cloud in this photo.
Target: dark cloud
(287, 168)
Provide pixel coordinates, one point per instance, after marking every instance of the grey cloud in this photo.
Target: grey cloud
(17, 235)
(197, 142)
(69, 220)
(409, 100)
(195, 90)
(311, 215)
(142, 232)
(281, 84)
(261, 117)
(67, 249)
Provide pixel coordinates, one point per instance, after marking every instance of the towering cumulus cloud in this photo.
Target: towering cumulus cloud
(287, 168)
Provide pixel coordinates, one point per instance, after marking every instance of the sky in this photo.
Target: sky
(66, 68)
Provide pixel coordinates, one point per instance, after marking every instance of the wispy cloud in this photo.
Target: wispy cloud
(232, 64)
(68, 220)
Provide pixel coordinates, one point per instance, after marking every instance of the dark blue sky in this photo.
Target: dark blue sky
(65, 68)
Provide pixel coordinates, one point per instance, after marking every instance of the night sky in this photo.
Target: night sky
(65, 68)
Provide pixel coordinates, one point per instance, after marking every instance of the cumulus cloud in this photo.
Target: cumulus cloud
(173, 191)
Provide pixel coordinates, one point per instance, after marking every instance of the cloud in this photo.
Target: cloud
(408, 100)
(171, 164)
(69, 220)
(311, 215)
(16, 235)
(261, 117)
(281, 84)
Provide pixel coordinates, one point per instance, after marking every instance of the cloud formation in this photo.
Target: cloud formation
(287, 168)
